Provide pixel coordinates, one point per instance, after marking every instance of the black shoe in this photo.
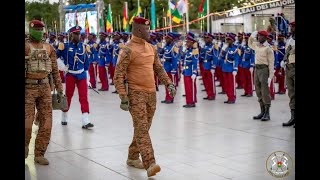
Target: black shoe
(87, 126)
(294, 126)
(211, 99)
(157, 88)
(115, 92)
(222, 92)
(189, 105)
(244, 95)
(249, 95)
(280, 93)
(183, 95)
(203, 90)
(205, 98)
(230, 102)
(259, 116)
(112, 83)
(239, 88)
(64, 123)
(292, 120)
(164, 101)
(226, 102)
(103, 89)
(169, 102)
(266, 116)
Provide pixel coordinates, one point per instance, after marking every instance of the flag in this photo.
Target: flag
(153, 15)
(87, 29)
(137, 13)
(77, 23)
(125, 17)
(173, 12)
(109, 20)
(182, 7)
(203, 8)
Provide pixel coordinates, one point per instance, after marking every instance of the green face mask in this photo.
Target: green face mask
(36, 34)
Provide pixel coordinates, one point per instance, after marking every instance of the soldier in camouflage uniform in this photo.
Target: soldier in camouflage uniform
(40, 61)
(138, 62)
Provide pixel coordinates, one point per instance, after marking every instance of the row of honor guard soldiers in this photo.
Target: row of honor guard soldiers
(226, 58)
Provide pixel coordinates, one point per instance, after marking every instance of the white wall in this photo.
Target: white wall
(247, 19)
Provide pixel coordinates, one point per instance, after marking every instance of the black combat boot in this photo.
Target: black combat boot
(292, 121)
(266, 116)
(259, 116)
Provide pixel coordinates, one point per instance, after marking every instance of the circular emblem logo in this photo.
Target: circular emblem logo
(147, 22)
(31, 24)
(278, 164)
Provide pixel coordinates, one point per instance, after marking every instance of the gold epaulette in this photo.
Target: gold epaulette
(95, 45)
(195, 51)
(239, 52)
(159, 45)
(175, 49)
(61, 46)
(216, 47)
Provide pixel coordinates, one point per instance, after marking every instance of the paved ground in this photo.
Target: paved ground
(214, 141)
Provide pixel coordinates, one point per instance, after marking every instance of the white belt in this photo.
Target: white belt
(76, 72)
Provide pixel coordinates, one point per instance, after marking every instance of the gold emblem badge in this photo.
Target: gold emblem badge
(147, 22)
(31, 24)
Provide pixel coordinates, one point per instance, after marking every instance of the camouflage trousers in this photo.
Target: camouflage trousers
(38, 96)
(142, 109)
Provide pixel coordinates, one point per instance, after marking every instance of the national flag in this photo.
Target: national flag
(125, 17)
(173, 12)
(109, 20)
(137, 13)
(203, 8)
(87, 27)
(153, 15)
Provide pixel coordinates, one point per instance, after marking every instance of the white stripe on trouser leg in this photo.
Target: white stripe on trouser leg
(85, 119)
(64, 117)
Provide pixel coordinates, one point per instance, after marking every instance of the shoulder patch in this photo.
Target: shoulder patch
(239, 52)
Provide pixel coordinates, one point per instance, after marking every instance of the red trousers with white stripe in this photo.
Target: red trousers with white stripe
(93, 72)
(168, 97)
(246, 81)
(208, 83)
(103, 77)
(191, 93)
(71, 83)
(229, 85)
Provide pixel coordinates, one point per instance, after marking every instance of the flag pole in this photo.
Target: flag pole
(208, 18)
(170, 20)
(187, 16)
(119, 23)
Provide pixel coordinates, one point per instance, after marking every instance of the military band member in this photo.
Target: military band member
(280, 70)
(247, 64)
(93, 68)
(75, 55)
(104, 58)
(207, 63)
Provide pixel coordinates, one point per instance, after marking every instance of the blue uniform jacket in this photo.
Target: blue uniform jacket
(170, 59)
(103, 53)
(76, 57)
(247, 59)
(115, 52)
(280, 53)
(208, 56)
(190, 61)
(230, 59)
(94, 53)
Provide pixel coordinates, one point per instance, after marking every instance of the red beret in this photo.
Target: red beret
(293, 23)
(264, 33)
(35, 24)
(140, 20)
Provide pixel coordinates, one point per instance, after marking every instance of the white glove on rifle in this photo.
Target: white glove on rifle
(88, 79)
(193, 76)
(251, 69)
(234, 73)
(269, 81)
(254, 34)
(282, 64)
(224, 47)
(61, 65)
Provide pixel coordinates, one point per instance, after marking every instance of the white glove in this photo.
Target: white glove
(269, 81)
(292, 42)
(88, 79)
(193, 76)
(274, 71)
(212, 71)
(251, 69)
(219, 43)
(234, 73)
(275, 43)
(254, 34)
(61, 65)
(224, 47)
(243, 43)
(282, 64)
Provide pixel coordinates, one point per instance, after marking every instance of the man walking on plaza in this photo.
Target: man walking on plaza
(134, 81)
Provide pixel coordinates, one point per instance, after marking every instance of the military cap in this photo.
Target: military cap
(270, 36)
(35, 24)
(75, 29)
(189, 38)
(230, 36)
(103, 34)
(140, 20)
(263, 33)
